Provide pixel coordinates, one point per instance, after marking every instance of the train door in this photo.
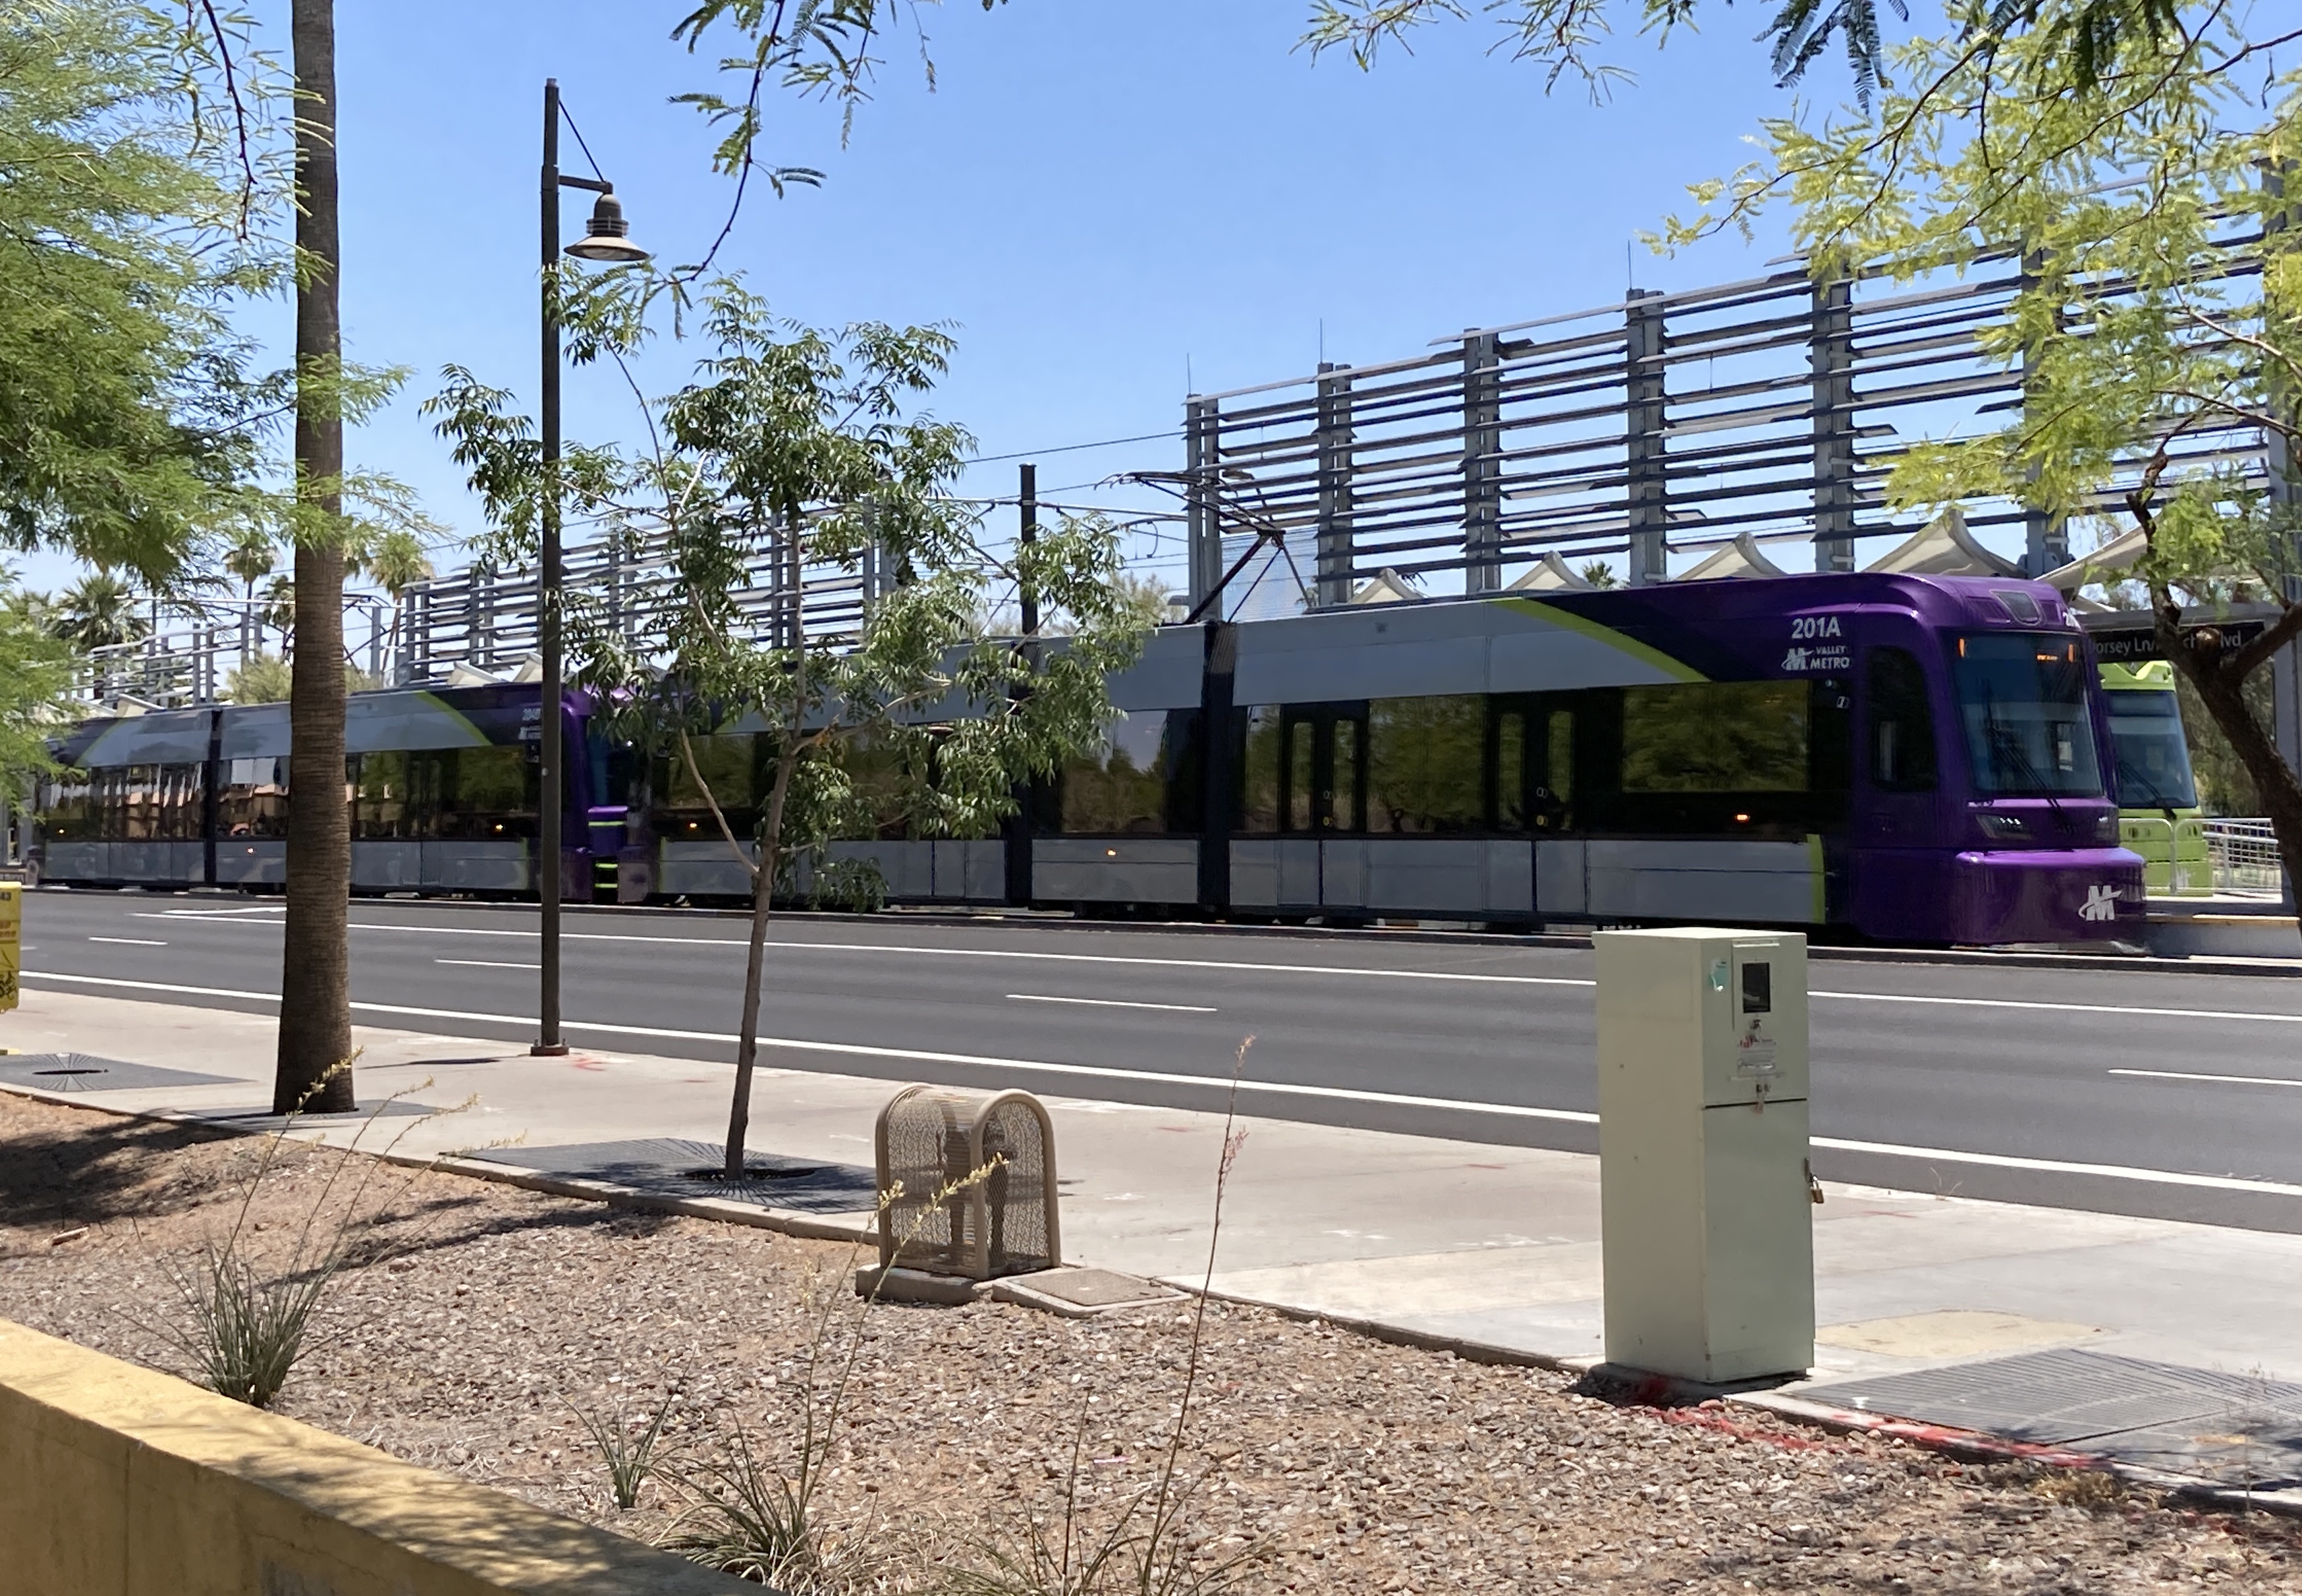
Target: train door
(1531, 761)
(1899, 759)
(1302, 783)
(1323, 769)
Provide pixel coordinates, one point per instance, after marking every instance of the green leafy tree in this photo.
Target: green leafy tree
(2142, 330)
(2073, 43)
(260, 680)
(127, 410)
(796, 449)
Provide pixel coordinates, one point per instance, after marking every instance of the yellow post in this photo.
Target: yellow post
(12, 940)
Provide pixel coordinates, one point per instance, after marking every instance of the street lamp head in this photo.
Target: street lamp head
(607, 239)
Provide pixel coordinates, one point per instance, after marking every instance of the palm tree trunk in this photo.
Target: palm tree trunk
(315, 1041)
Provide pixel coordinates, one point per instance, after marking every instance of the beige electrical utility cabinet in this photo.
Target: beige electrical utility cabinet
(1707, 1217)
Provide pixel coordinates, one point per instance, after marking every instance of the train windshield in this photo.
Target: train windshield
(2022, 702)
(2153, 762)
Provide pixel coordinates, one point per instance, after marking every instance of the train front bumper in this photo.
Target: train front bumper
(2063, 895)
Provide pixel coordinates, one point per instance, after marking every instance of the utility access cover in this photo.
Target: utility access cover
(2047, 1398)
(79, 1072)
(2233, 1429)
(673, 1167)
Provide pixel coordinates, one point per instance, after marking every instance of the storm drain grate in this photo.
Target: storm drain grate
(80, 1072)
(2233, 1429)
(675, 1167)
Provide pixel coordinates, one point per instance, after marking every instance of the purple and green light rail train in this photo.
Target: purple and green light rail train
(1907, 760)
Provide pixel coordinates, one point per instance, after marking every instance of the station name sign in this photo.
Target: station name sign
(2133, 645)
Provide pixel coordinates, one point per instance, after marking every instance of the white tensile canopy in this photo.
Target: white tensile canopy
(1944, 548)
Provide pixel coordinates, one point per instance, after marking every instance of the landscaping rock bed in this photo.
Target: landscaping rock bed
(492, 1315)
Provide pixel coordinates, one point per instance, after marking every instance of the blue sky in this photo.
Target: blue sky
(1101, 195)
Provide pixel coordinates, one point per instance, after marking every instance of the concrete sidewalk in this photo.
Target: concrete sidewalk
(1496, 1245)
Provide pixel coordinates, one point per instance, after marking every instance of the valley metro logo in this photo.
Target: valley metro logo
(2101, 903)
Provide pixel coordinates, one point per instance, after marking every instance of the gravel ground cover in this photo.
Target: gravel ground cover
(1346, 1464)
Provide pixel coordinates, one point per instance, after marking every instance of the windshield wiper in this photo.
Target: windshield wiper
(2157, 794)
(2003, 739)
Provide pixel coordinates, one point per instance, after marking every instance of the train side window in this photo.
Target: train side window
(1183, 760)
(182, 790)
(1261, 733)
(66, 808)
(1343, 795)
(146, 794)
(254, 798)
(381, 812)
(1298, 789)
(1558, 790)
(1510, 770)
(1120, 787)
(1901, 727)
(1424, 759)
(1717, 738)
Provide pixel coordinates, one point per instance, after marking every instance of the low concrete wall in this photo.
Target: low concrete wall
(2222, 927)
(115, 1479)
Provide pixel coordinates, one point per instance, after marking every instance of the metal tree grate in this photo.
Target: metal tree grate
(973, 1179)
(80, 1072)
(677, 1167)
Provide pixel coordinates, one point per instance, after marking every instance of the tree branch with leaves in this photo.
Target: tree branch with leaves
(798, 456)
(2154, 320)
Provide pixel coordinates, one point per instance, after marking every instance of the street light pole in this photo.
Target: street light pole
(548, 753)
(605, 241)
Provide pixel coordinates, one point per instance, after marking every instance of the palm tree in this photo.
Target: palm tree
(97, 612)
(250, 557)
(278, 612)
(313, 1069)
(396, 563)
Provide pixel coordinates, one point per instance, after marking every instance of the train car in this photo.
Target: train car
(443, 787)
(133, 804)
(1910, 760)
(1904, 759)
(2159, 817)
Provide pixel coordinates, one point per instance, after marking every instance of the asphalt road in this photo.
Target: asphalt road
(2163, 1093)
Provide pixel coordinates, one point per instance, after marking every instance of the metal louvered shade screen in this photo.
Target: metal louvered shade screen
(974, 1179)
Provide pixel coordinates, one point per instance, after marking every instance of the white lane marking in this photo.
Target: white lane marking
(990, 952)
(130, 941)
(2187, 1075)
(231, 917)
(1327, 969)
(487, 965)
(2059, 1166)
(2062, 1008)
(1113, 1003)
(1252, 1087)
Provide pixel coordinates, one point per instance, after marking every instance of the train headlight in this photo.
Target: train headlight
(2003, 829)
